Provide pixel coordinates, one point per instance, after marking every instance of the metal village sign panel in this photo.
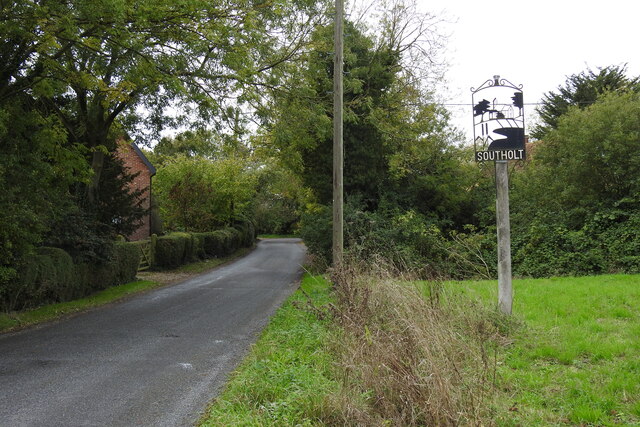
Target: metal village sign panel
(498, 121)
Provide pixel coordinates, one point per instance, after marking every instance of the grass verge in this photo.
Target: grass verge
(151, 280)
(287, 376)
(10, 321)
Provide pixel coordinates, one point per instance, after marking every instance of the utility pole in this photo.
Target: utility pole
(338, 150)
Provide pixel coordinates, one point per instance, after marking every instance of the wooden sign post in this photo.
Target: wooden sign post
(498, 131)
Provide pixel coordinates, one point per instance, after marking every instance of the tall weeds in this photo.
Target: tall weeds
(410, 357)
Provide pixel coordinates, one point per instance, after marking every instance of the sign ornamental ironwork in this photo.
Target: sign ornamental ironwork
(498, 121)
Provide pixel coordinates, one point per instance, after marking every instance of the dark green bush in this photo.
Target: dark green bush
(43, 277)
(233, 240)
(173, 250)
(247, 233)
(406, 240)
(607, 242)
(49, 275)
(199, 246)
(176, 249)
(316, 231)
(214, 244)
(121, 267)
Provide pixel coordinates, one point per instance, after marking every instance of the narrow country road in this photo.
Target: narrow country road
(153, 360)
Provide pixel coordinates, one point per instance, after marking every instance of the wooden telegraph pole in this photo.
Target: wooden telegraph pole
(498, 130)
(338, 150)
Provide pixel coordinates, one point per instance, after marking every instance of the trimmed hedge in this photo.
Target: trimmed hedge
(172, 250)
(50, 275)
(176, 249)
(46, 276)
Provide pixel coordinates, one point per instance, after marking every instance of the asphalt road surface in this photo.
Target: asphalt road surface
(153, 360)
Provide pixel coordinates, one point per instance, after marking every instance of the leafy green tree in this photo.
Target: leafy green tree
(80, 71)
(593, 158)
(399, 149)
(35, 178)
(198, 194)
(581, 90)
(302, 128)
(279, 201)
(200, 143)
(575, 208)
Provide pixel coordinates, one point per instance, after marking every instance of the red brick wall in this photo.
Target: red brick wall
(134, 164)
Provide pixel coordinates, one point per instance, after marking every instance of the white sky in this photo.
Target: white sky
(536, 43)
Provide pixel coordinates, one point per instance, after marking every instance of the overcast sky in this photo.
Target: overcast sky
(534, 43)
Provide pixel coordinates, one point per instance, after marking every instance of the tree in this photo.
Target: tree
(37, 168)
(279, 200)
(93, 63)
(301, 130)
(82, 71)
(200, 143)
(581, 90)
(593, 158)
(198, 194)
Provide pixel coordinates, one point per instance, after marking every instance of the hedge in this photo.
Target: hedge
(176, 249)
(50, 275)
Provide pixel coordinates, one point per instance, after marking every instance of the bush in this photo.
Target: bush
(176, 249)
(405, 240)
(121, 268)
(233, 240)
(247, 233)
(173, 250)
(45, 276)
(198, 245)
(49, 276)
(607, 242)
(316, 231)
(214, 243)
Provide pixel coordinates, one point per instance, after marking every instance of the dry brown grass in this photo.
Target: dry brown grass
(407, 359)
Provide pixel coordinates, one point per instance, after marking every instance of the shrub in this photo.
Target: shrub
(49, 275)
(45, 276)
(173, 250)
(247, 233)
(198, 245)
(233, 239)
(316, 231)
(122, 267)
(214, 243)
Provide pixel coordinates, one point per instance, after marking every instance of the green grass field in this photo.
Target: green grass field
(576, 357)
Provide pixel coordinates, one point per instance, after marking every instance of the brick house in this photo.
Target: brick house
(135, 161)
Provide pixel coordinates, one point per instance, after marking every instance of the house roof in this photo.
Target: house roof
(144, 159)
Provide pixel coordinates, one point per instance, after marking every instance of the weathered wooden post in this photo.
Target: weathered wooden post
(505, 292)
(498, 132)
(338, 150)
